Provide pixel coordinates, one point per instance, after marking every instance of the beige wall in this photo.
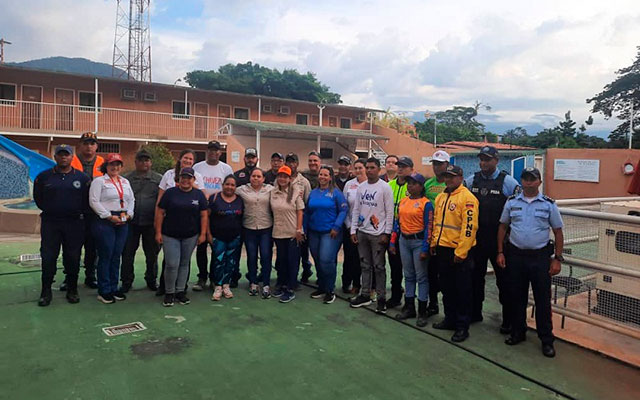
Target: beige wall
(613, 182)
(402, 145)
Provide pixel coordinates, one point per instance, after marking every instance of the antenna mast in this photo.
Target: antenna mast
(2, 43)
(132, 43)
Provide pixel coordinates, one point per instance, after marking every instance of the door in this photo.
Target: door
(31, 106)
(517, 166)
(64, 110)
(201, 119)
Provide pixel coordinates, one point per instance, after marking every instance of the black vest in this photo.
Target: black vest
(491, 201)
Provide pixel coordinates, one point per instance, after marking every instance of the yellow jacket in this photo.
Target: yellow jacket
(455, 221)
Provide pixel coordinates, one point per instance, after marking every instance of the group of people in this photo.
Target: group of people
(438, 234)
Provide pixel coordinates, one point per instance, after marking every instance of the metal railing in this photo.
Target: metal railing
(25, 116)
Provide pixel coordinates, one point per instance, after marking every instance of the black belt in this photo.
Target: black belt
(419, 235)
(527, 252)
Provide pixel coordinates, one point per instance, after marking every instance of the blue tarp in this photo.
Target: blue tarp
(35, 162)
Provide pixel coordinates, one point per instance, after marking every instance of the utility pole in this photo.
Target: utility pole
(2, 43)
(631, 123)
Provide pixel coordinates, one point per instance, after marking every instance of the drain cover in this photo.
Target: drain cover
(122, 329)
(30, 257)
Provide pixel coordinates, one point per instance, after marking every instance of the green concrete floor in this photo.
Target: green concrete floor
(252, 348)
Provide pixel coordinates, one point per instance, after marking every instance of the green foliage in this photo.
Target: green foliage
(161, 158)
(616, 100)
(455, 124)
(252, 78)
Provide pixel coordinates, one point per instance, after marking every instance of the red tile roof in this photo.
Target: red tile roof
(461, 145)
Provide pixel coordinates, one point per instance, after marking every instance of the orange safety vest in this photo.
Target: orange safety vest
(77, 164)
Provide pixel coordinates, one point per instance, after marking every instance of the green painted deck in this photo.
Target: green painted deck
(251, 348)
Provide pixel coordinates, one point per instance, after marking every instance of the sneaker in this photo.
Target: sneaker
(266, 292)
(152, 285)
(217, 294)
(106, 298)
(306, 274)
(381, 308)
(168, 300)
(91, 282)
(287, 296)
(253, 290)
(226, 292)
(329, 298)
(118, 295)
(182, 298)
(200, 285)
(45, 297)
(278, 292)
(360, 301)
(126, 286)
(318, 294)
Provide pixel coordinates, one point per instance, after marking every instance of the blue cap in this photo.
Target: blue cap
(187, 171)
(63, 147)
(417, 177)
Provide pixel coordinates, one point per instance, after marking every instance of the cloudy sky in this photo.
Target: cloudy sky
(531, 62)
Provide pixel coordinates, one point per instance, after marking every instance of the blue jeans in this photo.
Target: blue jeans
(224, 259)
(415, 269)
(254, 240)
(177, 257)
(324, 250)
(288, 253)
(110, 240)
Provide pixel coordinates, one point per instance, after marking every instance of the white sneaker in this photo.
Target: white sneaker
(217, 294)
(226, 291)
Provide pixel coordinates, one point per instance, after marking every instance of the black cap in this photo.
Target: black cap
(251, 151)
(313, 153)
(291, 156)
(531, 171)
(344, 159)
(214, 144)
(488, 151)
(188, 171)
(277, 155)
(143, 153)
(406, 161)
(88, 137)
(454, 170)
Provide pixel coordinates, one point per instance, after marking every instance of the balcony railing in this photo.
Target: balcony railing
(34, 117)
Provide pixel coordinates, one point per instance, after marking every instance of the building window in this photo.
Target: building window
(178, 109)
(315, 120)
(628, 242)
(87, 101)
(240, 113)
(326, 153)
(108, 147)
(302, 119)
(200, 156)
(345, 123)
(7, 94)
(333, 122)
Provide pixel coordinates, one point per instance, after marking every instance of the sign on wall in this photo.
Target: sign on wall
(426, 160)
(576, 170)
(235, 156)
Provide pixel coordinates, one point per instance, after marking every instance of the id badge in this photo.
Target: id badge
(123, 216)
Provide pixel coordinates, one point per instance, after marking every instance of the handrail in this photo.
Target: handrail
(596, 200)
(603, 216)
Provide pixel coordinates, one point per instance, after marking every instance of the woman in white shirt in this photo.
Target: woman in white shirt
(351, 266)
(112, 199)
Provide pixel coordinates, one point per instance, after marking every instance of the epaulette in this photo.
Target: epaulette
(547, 198)
(513, 196)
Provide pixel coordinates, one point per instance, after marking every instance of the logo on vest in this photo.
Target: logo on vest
(76, 184)
(452, 207)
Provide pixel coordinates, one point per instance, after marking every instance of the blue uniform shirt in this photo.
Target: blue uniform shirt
(530, 222)
(61, 195)
(508, 186)
(325, 210)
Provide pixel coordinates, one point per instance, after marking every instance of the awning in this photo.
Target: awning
(248, 127)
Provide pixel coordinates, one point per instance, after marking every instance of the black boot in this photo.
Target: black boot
(408, 310)
(45, 297)
(72, 291)
(422, 314)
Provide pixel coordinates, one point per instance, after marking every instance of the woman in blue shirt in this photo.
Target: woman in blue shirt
(323, 219)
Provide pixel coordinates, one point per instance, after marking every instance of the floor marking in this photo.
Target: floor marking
(178, 318)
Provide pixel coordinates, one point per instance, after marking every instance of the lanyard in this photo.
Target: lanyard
(120, 191)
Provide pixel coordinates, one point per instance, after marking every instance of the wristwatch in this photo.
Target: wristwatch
(559, 257)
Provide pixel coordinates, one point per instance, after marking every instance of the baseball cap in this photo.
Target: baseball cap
(285, 170)
(291, 156)
(214, 144)
(404, 160)
(113, 157)
(187, 171)
(314, 153)
(143, 153)
(489, 151)
(63, 147)
(454, 170)
(417, 177)
(531, 171)
(250, 151)
(277, 155)
(89, 136)
(441, 156)
(344, 159)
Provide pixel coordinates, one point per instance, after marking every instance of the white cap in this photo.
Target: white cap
(441, 156)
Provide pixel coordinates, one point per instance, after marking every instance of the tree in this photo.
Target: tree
(161, 158)
(617, 99)
(400, 122)
(455, 124)
(517, 136)
(252, 78)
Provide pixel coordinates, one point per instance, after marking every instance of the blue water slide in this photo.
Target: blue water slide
(35, 162)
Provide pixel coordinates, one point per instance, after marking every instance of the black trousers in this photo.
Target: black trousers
(530, 266)
(486, 251)
(455, 283)
(304, 257)
(68, 233)
(351, 269)
(434, 281)
(90, 253)
(202, 261)
(395, 267)
(150, 248)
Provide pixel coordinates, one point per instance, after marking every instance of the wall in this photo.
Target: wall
(613, 182)
(402, 145)
(470, 163)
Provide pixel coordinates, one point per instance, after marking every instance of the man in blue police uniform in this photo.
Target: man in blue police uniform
(527, 257)
(62, 193)
(491, 187)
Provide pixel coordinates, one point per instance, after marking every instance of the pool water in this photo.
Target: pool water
(23, 205)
